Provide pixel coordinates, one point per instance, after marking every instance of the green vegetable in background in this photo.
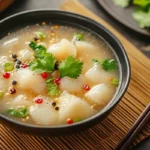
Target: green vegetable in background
(142, 3)
(142, 17)
(141, 14)
(70, 67)
(122, 3)
(52, 87)
(20, 112)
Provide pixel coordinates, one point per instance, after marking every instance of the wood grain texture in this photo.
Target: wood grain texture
(107, 135)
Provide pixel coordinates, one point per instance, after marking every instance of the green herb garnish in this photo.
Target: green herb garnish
(36, 47)
(8, 66)
(70, 67)
(78, 36)
(115, 81)
(20, 112)
(44, 64)
(40, 35)
(52, 87)
(1, 94)
(109, 64)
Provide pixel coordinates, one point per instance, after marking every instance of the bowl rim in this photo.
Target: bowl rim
(108, 106)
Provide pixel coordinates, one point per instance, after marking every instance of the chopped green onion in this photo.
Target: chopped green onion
(115, 81)
(8, 66)
(77, 120)
(40, 35)
(79, 36)
(20, 112)
(1, 94)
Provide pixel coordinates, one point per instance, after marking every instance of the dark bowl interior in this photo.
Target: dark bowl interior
(21, 20)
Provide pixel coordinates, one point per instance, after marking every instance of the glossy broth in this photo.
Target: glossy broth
(78, 98)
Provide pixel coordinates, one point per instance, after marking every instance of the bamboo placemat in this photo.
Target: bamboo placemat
(109, 133)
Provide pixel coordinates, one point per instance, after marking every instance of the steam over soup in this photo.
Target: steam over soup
(52, 75)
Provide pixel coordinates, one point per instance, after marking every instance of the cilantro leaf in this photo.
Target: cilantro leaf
(142, 17)
(45, 64)
(122, 3)
(21, 112)
(70, 67)
(52, 87)
(36, 47)
(109, 64)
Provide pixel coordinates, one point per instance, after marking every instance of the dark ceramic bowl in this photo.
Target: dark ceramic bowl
(21, 20)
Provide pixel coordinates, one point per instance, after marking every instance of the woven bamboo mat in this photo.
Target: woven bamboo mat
(108, 134)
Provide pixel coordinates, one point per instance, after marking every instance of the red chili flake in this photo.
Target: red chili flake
(6, 75)
(12, 91)
(39, 101)
(69, 121)
(44, 75)
(57, 80)
(24, 65)
(86, 87)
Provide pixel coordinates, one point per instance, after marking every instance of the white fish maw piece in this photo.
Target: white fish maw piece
(29, 80)
(26, 55)
(97, 74)
(21, 100)
(62, 49)
(72, 85)
(73, 107)
(100, 94)
(44, 114)
(84, 47)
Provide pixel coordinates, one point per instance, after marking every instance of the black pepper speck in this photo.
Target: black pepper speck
(53, 103)
(14, 82)
(56, 108)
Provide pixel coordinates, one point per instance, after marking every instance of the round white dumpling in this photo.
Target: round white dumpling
(98, 75)
(73, 107)
(62, 49)
(100, 94)
(21, 100)
(26, 55)
(29, 80)
(44, 114)
(72, 85)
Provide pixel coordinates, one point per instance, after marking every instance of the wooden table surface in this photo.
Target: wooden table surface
(140, 41)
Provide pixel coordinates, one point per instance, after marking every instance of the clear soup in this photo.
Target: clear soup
(54, 74)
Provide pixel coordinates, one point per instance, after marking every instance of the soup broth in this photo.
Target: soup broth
(55, 74)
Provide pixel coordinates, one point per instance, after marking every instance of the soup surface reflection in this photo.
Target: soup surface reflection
(53, 75)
